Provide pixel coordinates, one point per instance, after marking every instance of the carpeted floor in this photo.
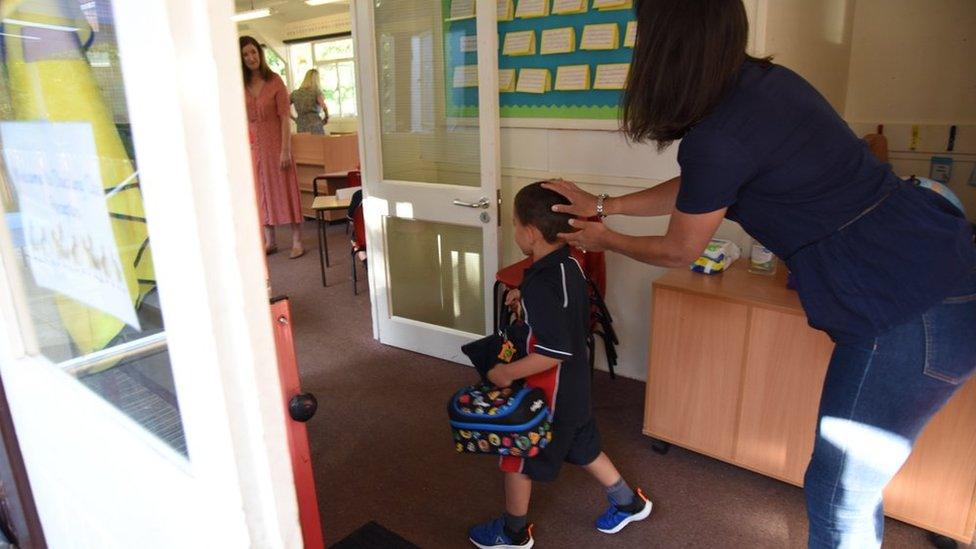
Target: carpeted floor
(382, 450)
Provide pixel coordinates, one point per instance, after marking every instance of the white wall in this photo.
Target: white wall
(913, 62)
(812, 38)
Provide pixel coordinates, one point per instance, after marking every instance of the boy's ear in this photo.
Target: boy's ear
(535, 233)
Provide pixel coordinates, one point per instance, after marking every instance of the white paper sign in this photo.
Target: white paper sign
(69, 245)
(573, 78)
(611, 77)
(462, 9)
(466, 76)
(469, 44)
(630, 35)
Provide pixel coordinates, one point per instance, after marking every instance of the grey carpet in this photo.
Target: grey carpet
(382, 450)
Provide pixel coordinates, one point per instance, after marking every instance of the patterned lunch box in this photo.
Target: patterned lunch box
(514, 421)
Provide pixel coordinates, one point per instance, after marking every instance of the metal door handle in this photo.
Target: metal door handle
(482, 204)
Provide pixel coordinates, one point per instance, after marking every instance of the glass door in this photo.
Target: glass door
(431, 171)
(135, 339)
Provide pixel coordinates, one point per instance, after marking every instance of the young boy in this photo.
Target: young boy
(555, 304)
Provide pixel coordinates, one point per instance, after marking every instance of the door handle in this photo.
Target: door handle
(482, 204)
(302, 407)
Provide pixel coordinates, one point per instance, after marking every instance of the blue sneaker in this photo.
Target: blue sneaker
(491, 535)
(614, 520)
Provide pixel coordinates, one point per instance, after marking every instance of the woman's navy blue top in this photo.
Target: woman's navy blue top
(869, 251)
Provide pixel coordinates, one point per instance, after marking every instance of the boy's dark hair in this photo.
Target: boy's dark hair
(533, 206)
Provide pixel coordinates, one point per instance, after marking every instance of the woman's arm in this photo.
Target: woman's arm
(687, 237)
(325, 109)
(283, 106)
(657, 200)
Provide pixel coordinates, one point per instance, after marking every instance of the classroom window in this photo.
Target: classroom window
(337, 72)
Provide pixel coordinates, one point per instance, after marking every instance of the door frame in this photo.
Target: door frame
(381, 194)
(185, 99)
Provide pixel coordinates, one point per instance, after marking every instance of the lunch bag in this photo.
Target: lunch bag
(514, 421)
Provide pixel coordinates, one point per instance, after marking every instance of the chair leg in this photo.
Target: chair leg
(355, 289)
(591, 346)
(321, 236)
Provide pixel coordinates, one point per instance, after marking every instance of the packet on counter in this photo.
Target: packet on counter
(717, 257)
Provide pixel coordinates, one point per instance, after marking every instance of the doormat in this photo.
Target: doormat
(373, 536)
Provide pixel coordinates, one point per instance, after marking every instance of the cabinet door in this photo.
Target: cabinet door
(786, 362)
(936, 488)
(695, 370)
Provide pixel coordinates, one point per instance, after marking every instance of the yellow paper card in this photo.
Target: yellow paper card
(534, 81)
(611, 77)
(558, 41)
(506, 80)
(630, 35)
(532, 8)
(573, 78)
(506, 10)
(605, 36)
(462, 9)
(519, 43)
(466, 76)
(562, 7)
(469, 44)
(613, 4)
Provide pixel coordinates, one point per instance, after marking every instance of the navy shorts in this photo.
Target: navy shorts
(578, 444)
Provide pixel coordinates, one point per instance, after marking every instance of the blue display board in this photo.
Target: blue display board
(587, 104)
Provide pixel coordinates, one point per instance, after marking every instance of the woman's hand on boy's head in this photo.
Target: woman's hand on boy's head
(591, 236)
(582, 203)
(499, 377)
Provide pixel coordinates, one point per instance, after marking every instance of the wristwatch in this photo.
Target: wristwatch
(599, 205)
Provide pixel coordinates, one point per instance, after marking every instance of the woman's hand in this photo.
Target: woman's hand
(591, 236)
(498, 377)
(285, 159)
(582, 203)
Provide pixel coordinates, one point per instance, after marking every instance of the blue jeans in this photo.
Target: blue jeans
(878, 395)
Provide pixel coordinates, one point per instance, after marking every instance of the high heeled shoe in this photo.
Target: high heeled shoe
(296, 253)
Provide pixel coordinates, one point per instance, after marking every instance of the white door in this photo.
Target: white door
(135, 336)
(431, 169)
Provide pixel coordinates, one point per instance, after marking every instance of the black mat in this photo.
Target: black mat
(373, 536)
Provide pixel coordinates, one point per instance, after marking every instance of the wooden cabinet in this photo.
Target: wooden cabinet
(736, 373)
(319, 154)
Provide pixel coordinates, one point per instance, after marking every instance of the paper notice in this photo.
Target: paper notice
(71, 248)
(630, 35)
(561, 7)
(532, 8)
(466, 76)
(506, 10)
(612, 4)
(611, 77)
(462, 9)
(558, 41)
(573, 78)
(600, 37)
(469, 44)
(519, 43)
(534, 81)
(506, 80)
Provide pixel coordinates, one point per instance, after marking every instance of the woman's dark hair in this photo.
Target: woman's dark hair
(264, 70)
(687, 56)
(533, 207)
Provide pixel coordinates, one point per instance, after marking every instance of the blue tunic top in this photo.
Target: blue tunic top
(869, 251)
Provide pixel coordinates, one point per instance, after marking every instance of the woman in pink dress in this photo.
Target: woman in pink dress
(269, 128)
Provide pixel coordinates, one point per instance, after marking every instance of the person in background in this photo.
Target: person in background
(885, 267)
(269, 130)
(309, 103)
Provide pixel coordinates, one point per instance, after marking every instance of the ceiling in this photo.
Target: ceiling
(288, 11)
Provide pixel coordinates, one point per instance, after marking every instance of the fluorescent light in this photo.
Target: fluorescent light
(322, 2)
(19, 36)
(36, 25)
(251, 14)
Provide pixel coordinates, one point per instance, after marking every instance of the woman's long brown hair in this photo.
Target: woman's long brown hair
(687, 55)
(264, 70)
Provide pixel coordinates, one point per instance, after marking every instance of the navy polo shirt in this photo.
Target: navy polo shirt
(868, 250)
(556, 308)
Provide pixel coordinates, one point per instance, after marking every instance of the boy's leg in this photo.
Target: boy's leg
(603, 470)
(518, 491)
